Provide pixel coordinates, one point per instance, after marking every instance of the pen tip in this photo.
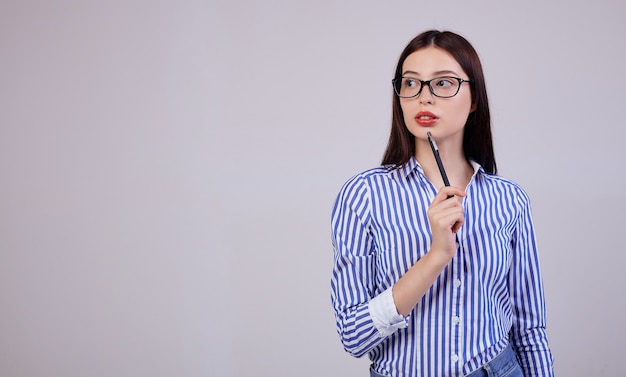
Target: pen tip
(431, 140)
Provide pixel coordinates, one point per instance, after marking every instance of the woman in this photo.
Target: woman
(444, 282)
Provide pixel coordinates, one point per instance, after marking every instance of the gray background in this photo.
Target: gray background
(167, 171)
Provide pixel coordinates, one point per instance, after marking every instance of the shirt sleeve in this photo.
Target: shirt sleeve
(364, 315)
(528, 332)
(385, 315)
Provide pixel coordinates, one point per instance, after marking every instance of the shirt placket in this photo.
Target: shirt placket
(455, 320)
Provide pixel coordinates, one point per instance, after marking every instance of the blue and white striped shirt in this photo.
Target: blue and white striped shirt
(489, 295)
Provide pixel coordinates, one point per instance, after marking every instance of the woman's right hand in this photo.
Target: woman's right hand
(446, 215)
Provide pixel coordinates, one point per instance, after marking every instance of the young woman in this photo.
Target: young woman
(435, 280)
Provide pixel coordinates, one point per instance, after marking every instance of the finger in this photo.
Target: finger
(452, 190)
(450, 223)
(457, 225)
(454, 203)
(448, 191)
(443, 205)
(447, 218)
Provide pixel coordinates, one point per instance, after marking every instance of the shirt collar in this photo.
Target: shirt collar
(413, 166)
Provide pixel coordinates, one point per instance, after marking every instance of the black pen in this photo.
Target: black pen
(433, 146)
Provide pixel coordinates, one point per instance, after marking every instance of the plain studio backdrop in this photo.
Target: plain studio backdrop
(168, 168)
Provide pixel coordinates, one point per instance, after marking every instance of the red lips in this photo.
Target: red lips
(426, 118)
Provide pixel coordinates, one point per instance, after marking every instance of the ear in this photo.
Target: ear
(473, 108)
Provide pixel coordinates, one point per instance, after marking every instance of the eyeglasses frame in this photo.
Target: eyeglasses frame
(427, 82)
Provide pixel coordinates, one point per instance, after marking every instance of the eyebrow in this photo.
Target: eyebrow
(438, 73)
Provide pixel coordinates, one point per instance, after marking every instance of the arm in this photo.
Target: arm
(352, 283)
(366, 313)
(528, 332)
(445, 217)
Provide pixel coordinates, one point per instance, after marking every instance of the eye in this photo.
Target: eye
(443, 82)
(409, 82)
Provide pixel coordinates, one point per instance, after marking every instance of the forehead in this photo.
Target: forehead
(430, 60)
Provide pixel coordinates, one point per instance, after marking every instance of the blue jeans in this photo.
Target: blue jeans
(503, 365)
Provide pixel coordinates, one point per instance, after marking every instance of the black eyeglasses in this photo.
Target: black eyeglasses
(442, 87)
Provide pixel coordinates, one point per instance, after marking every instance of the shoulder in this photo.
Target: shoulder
(505, 188)
(362, 182)
(367, 176)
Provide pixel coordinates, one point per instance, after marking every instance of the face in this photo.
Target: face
(444, 117)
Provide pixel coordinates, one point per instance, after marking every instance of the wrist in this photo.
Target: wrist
(438, 257)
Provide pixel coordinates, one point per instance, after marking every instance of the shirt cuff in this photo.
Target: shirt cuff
(384, 314)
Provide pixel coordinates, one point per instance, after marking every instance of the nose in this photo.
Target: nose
(425, 95)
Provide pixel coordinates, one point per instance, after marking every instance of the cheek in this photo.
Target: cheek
(460, 118)
(468, 101)
(463, 109)
(406, 111)
(461, 115)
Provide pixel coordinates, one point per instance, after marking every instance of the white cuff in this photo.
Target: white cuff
(384, 314)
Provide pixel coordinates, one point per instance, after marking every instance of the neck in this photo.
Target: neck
(458, 169)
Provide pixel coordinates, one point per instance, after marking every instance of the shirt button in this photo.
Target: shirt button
(458, 245)
(456, 319)
(457, 283)
(455, 358)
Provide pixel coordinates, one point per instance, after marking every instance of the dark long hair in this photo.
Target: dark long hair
(477, 141)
